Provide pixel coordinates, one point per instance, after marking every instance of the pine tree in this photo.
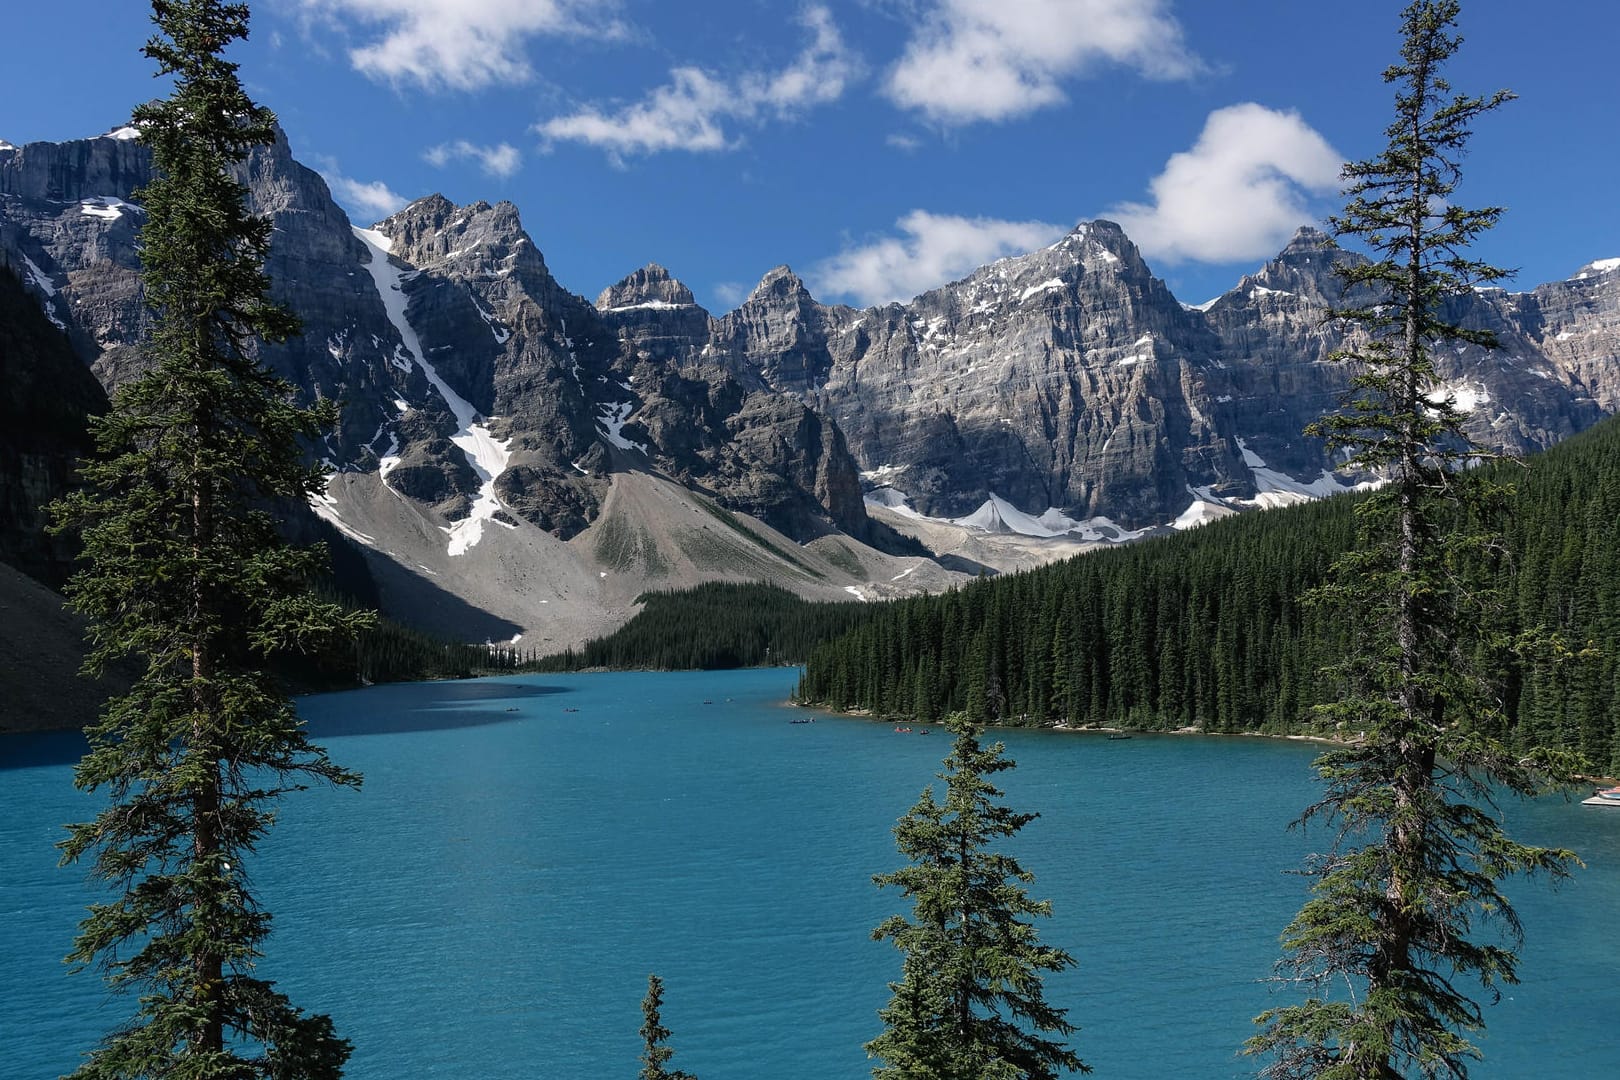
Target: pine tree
(187, 573)
(1420, 853)
(970, 1004)
(655, 1055)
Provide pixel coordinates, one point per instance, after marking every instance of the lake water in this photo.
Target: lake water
(526, 850)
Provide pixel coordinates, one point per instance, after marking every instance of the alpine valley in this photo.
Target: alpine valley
(517, 462)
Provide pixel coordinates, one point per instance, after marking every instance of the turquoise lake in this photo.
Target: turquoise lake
(525, 850)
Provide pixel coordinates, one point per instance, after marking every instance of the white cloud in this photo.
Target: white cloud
(936, 248)
(690, 111)
(461, 44)
(501, 160)
(1239, 193)
(996, 59)
(730, 293)
(367, 201)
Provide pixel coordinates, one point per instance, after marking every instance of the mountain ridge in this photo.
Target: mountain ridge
(1044, 403)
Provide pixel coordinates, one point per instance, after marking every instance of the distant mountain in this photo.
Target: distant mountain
(489, 408)
(520, 460)
(1070, 382)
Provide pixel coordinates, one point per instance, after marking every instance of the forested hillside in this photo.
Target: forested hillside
(716, 625)
(47, 397)
(1206, 629)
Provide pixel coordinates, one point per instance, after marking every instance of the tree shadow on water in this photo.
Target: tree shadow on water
(409, 707)
(38, 749)
(395, 708)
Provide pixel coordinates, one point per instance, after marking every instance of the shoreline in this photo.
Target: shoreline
(1581, 780)
(1103, 729)
(1325, 740)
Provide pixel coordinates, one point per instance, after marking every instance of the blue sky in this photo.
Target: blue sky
(880, 147)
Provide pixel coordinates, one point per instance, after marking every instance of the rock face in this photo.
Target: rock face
(783, 334)
(582, 390)
(1571, 327)
(67, 216)
(716, 425)
(1276, 340)
(650, 287)
(1070, 382)
(1067, 378)
(465, 336)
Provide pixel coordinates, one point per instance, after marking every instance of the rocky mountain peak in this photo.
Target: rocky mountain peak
(1099, 239)
(1307, 267)
(1307, 240)
(476, 240)
(1600, 268)
(426, 217)
(1066, 379)
(72, 171)
(779, 284)
(650, 287)
(1311, 251)
(1105, 232)
(1092, 249)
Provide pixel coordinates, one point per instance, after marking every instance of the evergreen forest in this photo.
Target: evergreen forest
(712, 626)
(1206, 630)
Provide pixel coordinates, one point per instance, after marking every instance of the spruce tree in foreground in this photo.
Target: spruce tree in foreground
(187, 574)
(655, 1055)
(970, 1004)
(1407, 907)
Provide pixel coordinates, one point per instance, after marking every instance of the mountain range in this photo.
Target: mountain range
(520, 463)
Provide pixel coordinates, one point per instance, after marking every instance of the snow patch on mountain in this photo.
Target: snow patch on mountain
(487, 455)
(107, 207)
(1275, 488)
(42, 282)
(647, 305)
(997, 515)
(390, 459)
(1468, 396)
(612, 423)
(1035, 290)
(501, 333)
(1204, 509)
(325, 507)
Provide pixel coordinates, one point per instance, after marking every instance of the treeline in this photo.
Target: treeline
(395, 653)
(391, 652)
(1206, 629)
(712, 626)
